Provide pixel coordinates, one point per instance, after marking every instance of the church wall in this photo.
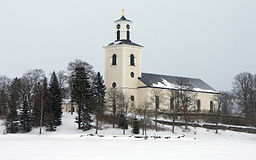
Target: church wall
(112, 72)
(145, 95)
(129, 81)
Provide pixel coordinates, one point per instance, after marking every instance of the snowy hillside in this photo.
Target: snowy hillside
(69, 143)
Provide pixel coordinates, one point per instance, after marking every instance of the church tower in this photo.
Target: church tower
(123, 59)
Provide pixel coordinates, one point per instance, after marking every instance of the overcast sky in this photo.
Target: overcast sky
(209, 39)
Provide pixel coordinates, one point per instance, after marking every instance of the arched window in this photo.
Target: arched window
(114, 59)
(172, 103)
(132, 63)
(211, 106)
(118, 35)
(198, 105)
(128, 35)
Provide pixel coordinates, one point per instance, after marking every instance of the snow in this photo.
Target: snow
(166, 84)
(69, 143)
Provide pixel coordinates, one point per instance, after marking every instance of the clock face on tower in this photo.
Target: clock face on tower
(118, 26)
(128, 26)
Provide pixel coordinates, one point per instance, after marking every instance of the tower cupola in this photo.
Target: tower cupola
(123, 28)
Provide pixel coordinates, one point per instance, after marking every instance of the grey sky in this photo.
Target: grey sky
(210, 39)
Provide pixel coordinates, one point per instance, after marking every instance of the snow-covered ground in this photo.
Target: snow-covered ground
(68, 143)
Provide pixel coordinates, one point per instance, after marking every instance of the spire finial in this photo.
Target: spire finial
(122, 12)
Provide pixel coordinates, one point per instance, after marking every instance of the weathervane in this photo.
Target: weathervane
(122, 12)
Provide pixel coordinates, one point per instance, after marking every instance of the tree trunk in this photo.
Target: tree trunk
(97, 124)
(41, 116)
(72, 107)
(173, 121)
(79, 117)
(143, 126)
(185, 118)
(156, 120)
(114, 119)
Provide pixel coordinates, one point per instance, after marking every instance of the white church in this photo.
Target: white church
(123, 71)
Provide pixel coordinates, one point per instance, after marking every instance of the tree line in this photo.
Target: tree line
(29, 101)
(34, 101)
(241, 100)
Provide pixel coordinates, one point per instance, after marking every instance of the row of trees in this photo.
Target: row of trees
(29, 101)
(241, 100)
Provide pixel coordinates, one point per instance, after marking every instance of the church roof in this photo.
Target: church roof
(122, 19)
(124, 42)
(171, 82)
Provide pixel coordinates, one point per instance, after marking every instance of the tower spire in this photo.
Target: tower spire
(122, 12)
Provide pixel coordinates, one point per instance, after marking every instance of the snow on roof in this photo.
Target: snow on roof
(171, 82)
(123, 41)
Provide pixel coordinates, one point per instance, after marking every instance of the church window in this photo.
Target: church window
(211, 106)
(128, 35)
(132, 98)
(132, 74)
(114, 84)
(118, 35)
(172, 103)
(198, 105)
(157, 102)
(132, 63)
(114, 59)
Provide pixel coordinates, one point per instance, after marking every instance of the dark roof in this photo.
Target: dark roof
(159, 81)
(123, 19)
(124, 42)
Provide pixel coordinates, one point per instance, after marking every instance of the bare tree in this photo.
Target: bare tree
(184, 98)
(144, 111)
(29, 80)
(4, 86)
(157, 98)
(63, 83)
(174, 106)
(112, 101)
(244, 89)
(123, 108)
(225, 103)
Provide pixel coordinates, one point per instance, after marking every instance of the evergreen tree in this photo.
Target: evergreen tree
(122, 122)
(99, 91)
(40, 104)
(55, 99)
(25, 117)
(14, 102)
(81, 95)
(50, 122)
(135, 127)
(36, 105)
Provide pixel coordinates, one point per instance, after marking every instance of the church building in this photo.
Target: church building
(123, 71)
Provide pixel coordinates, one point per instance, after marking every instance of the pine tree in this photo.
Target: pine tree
(122, 122)
(81, 94)
(99, 91)
(47, 117)
(50, 122)
(55, 99)
(25, 117)
(135, 127)
(36, 107)
(14, 102)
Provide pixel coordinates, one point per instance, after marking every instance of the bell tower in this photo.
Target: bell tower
(123, 28)
(123, 59)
